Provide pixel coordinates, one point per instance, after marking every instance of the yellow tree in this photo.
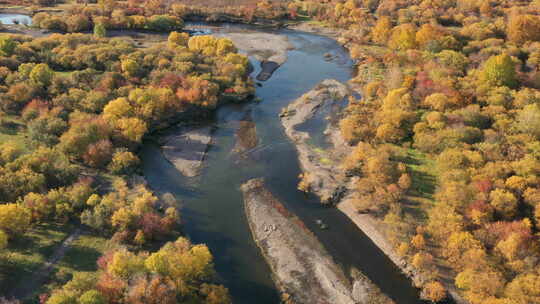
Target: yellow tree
(403, 37)
(523, 28)
(14, 218)
(433, 291)
(382, 30)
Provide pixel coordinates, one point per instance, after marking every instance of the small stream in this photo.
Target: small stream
(212, 206)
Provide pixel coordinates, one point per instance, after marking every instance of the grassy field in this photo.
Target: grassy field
(423, 174)
(28, 253)
(13, 130)
(82, 255)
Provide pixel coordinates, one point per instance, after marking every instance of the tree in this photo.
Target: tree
(479, 284)
(131, 129)
(523, 28)
(528, 120)
(125, 264)
(155, 290)
(3, 240)
(433, 291)
(99, 30)
(130, 67)
(382, 30)
(215, 294)
(403, 37)
(177, 39)
(499, 71)
(42, 75)
(418, 241)
(504, 202)
(98, 154)
(422, 261)
(427, 34)
(164, 23)
(123, 162)
(524, 288)
(14, 218)
(7, 46)
(92, 297)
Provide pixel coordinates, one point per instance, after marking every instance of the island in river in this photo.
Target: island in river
(302, 269)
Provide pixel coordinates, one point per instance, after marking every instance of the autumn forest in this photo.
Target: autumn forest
(442, 141)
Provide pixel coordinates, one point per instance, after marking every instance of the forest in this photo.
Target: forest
(445, 139)
(75, 109)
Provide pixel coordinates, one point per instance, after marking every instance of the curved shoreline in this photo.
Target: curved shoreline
(329, 183)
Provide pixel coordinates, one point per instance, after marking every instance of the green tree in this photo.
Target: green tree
(499, 71)
(92, 297)
(7, 46)
(99, 30)
(42, 75)
(3, 240)
(14, 218)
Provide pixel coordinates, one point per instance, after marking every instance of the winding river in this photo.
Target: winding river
(212, 207)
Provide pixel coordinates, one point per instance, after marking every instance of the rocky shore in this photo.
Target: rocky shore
(302, 269)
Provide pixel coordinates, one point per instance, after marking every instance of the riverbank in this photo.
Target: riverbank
(303, 270)
(320, 175)
(321, 168)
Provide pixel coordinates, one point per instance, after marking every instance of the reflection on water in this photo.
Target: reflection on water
(212, 203)
(15, 19)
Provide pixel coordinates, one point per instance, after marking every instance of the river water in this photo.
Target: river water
(15, 19)
(212, 206)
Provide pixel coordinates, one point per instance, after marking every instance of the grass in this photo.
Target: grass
(12, 130)
(82, 255)
(423, 174)
(28, 253)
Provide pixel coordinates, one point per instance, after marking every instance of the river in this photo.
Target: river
(212, 207)
(15, 19)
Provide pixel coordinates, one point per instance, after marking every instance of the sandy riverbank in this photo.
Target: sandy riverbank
(187, 149)
(326, 180)
(320, 177)
(302, 269)
(262, 46)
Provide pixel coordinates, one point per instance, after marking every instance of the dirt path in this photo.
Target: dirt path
(28, 287)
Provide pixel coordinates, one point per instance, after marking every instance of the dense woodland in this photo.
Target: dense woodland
(75, 108)
(446, 139)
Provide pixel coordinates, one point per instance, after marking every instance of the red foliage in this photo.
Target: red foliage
(499, 231)
(172, 81)
(111, 287)
(104, 260)
(36, 105)
(150, 223)
(43, 298)
(98, 154)
(484, 186)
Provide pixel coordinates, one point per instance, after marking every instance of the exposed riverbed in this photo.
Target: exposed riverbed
(212, 202)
